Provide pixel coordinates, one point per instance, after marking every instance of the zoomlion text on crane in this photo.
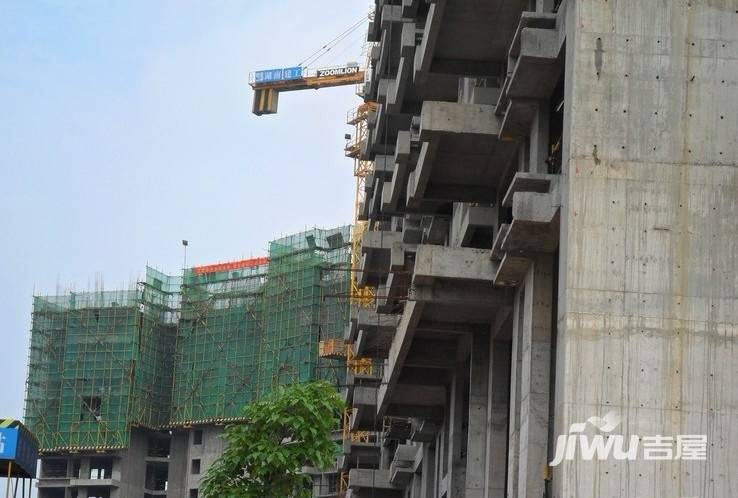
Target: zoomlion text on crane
(337, 71)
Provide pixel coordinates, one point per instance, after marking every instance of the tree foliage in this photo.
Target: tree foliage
(288, 429)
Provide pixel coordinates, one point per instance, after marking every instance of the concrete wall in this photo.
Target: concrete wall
(129, 468)
(648, 308)
(132, 466)
(184, 450)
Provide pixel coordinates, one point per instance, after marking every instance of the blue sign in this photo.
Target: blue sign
(17, 446)
(284, 74)
(8, 443)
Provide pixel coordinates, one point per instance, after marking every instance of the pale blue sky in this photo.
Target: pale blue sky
(126, 127)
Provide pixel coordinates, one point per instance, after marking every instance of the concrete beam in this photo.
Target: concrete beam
(375, 480)
(529, 182)
(398, 351)
(463, 301)
(439, 262)
(441, 118)
(538, 67)
(426, 50)
(511, 270)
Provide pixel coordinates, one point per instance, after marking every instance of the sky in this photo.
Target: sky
(126, 126)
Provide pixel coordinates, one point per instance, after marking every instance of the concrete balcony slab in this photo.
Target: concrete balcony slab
(53, 482)
(383, 135)
(394, 292)
(535, 225)
(528, 182)
(512, 270)
(538, 65)
(376, 480)
(462, 157)
(369, 321)
(457, 33)
(374, 344)
(363, 415)
(497, 253)
(363, 453)
(376, 249)
(423, 430)
(396, 428)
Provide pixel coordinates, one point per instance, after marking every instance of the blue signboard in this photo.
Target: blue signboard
(8, 443)
(283, 74)
(19, 447)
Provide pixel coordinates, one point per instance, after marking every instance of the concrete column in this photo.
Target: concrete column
(544, 5)
(84, 468)
(535, 378)
(428, 476)
(179, 456)
(524, 155)
(456, 439)
(497, 418)
(385, 458)
(476, 449)
(539, 140)
(515, 379)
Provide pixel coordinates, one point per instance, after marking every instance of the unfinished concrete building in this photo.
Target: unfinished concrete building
(128, 391)
(551, 236)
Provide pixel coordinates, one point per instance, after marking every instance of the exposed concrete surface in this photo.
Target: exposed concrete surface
(648, 293)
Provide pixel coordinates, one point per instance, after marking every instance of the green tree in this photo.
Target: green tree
(286, 430)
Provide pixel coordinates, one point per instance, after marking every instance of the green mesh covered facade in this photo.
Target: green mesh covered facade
(184, 350)
(100, 363)
(242, 332)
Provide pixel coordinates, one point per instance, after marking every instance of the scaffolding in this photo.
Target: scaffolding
(99, 363)
(185, 350)
(247, 328)
(361, 296)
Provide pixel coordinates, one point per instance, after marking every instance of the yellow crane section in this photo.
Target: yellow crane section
(268, 84)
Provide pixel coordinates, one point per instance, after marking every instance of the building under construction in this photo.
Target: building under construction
(128, 390)
(550, 240)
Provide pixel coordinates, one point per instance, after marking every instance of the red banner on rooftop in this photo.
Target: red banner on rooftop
(233, 265)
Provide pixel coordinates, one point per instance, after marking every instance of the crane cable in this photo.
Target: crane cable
(312, 58)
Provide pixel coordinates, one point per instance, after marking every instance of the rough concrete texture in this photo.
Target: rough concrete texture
(648, 308)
